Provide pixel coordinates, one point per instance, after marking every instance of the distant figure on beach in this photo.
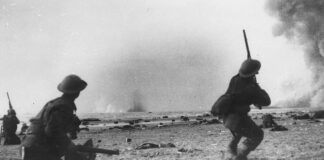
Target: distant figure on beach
(268, 122)
(245, 91)
(47, 135)
(10, 122)
(23, 129)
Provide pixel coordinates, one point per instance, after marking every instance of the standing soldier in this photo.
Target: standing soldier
(10, 122)
(47, 135)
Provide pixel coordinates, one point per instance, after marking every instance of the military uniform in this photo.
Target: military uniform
(10, 123)
(246, 92)
(46, 137)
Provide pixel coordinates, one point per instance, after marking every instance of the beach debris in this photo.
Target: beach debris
(184, 150)
(168, 145)
(160, 125)
(137, 120)
(128, 140)
(152, 145)
(213, 121)
(131, 122)
(85, 123)
(146, 120)
(84, 129)
(206, 115)
(184, 118)
(90, 120)
(147, 146)
(279, 128)
(313, 121)
(165, 117)
(124, 127)
(115, 122)
(318, 114)
(173, 120)
(302, 116)
(199, 118)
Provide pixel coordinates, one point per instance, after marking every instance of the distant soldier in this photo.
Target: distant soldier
(23, 129)
(10, 122)
(245, 91)
(268, 122)
(47, 135)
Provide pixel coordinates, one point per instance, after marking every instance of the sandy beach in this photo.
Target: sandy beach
(197, 139)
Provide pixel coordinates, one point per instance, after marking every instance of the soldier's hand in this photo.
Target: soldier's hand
(72, 147)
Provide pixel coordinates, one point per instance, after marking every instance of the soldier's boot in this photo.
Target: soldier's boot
(242, 153)
(249, 145)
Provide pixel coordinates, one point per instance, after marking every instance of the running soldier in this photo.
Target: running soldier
(245, 91)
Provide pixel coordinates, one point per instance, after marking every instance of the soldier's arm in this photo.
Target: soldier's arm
(260, 97)
(55, 128)
(17, 120)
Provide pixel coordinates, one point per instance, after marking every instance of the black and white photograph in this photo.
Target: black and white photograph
(161, 79)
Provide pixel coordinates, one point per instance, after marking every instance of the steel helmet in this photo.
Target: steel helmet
(249, 68)
(72, 84)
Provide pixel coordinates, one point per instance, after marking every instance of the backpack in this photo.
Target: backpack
(222, 105)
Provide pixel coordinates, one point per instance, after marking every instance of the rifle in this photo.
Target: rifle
(10, 105)
(81, 148)
(249, 56)
(246, 45)
(248, 49)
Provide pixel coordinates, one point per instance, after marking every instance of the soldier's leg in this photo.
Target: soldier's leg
(254, 136)
(34, 154)
(232, 147)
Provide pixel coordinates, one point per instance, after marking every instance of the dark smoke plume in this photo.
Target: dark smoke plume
(302, 21)
(138, 105)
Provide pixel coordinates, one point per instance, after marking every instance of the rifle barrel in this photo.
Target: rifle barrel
(247, 45)
(10, 105)
(97, 150)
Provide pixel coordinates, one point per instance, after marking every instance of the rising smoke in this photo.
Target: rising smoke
(302, 21)
(167, 75)
(138, 104)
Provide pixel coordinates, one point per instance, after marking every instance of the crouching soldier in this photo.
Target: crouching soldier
(10, 122)
(245, 91)
(46, 137)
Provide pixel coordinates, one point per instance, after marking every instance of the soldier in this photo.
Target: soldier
(23, 129)
(245, 91)
(47, 135)
(268, 122)
(10, 122)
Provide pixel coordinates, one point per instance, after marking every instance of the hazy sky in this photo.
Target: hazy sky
(177, 54)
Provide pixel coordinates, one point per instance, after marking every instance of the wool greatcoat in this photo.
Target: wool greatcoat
(47, 135)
